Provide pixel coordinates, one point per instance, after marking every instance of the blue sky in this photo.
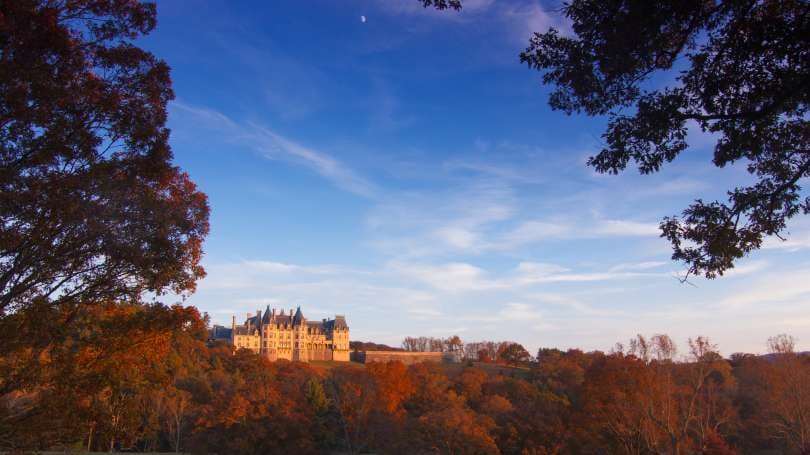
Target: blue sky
(406, 171)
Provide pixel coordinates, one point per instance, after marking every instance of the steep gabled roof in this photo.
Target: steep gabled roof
(299, 316)
(338, 323)
(219, 332)
(241, 330)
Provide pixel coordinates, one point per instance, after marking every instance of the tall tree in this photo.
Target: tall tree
(91, 206)
(740, 71)
(513, 353)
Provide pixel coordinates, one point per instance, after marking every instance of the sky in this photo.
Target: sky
(406, 171)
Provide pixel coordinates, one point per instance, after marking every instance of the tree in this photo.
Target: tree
(107, 375)
(612, 406)
(354, 396)
(442, 4)
(91, 207)
(176, 410)
(558, 372)
(454, 344)
(513, 353)
(740, 72)
(671, 406)
(393, 384)
(786, 401)
(710, 390)
(316, 397)
(454, 429)
(773, 402)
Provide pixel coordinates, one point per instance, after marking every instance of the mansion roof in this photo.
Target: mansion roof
(253, 324)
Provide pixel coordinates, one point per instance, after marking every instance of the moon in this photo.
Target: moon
(363, 19)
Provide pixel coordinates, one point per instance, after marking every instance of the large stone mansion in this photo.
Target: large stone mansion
(278, 335)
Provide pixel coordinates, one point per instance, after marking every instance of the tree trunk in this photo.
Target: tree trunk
(90, 437)
(177, 437)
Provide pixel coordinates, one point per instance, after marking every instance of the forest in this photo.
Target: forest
(145, 378)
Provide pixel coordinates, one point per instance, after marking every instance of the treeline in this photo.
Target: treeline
(142, 378)
(481, 351)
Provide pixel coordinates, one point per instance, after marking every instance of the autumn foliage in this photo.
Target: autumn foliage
(144, 378)
(92, 207)
(94, 217)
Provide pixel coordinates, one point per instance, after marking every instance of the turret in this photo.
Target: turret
(266, 317)
(299, 317)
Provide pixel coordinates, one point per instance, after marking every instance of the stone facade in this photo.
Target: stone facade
(277, 335)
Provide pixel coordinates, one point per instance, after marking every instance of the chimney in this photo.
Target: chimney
(249, 315)
(291, 312)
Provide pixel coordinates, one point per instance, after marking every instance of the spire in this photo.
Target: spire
(299, 316)
(266, 318)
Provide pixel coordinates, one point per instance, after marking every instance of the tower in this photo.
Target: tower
(299, 326)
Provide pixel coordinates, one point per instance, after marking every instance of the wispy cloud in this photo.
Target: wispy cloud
(622, 228)
(646, 265)
(462, 277)
(419, 224)
(795, 237)
(536, 231)
(773, 288)
(530, 17)
(510, 312)
(273, 145)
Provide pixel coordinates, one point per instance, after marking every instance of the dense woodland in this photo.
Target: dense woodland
(144, 378)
